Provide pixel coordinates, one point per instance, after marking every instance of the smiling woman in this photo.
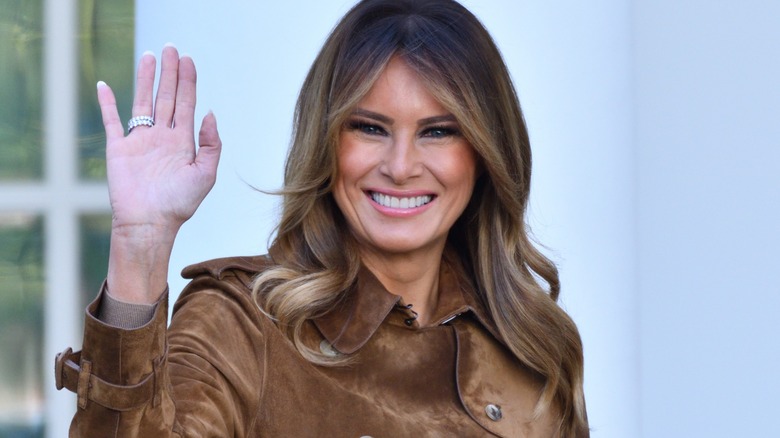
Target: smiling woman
(405, 175)
(401, 271)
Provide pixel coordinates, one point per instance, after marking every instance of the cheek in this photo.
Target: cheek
(345, 157)
(352, 166)
(459, 168)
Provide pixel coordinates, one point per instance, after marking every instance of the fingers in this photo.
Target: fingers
(144, 85)
(166, 90)
(184, 112)
(176, 95)
(210, 147)
(111, 121)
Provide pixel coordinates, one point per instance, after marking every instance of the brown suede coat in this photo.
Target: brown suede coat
(223, 369)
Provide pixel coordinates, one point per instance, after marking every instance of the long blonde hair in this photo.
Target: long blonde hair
(317, 260)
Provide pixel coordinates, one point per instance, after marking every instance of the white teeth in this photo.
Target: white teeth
(393, 202)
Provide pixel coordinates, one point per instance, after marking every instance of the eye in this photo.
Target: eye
(440, 132)
(365, 127)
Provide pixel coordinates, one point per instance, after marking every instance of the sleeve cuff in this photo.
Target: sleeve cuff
(124, 315)
(121, 369)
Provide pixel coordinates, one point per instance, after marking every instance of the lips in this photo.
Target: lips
(400, 202)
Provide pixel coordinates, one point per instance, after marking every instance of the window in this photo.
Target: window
(54, 212)
(21, 85)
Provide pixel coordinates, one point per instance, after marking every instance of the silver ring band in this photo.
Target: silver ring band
(139, 121)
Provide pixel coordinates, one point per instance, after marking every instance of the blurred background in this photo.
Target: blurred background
(54, 214)
(656, 183)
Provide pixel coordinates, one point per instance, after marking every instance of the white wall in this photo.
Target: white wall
(708, 153)
(571, 63)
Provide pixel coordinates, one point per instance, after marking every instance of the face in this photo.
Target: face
(405, 171)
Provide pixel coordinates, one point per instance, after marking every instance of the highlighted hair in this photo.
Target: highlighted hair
(317, 258)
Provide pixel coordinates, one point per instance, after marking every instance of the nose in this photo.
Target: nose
(401, 160)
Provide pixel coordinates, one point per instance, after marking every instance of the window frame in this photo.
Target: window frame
(61, 197)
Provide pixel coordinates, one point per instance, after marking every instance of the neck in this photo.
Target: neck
(414, 277)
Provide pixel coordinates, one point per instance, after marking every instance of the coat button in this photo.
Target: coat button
(327, 349)
(494, 412)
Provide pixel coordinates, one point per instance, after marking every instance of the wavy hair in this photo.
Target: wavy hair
(317, 260)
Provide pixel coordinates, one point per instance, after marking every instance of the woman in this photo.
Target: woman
(401, 295)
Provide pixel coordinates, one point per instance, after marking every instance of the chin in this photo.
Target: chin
(405, 246)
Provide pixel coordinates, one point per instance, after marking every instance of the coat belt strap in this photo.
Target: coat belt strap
(71, 373)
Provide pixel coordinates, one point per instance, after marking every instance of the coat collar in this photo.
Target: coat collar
(353, 321)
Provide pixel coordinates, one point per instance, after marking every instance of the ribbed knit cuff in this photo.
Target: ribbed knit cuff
(124, 315)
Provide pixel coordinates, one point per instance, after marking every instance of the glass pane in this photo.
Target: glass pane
(106, 44)
(21, 325)
(21, 87)
(94, 235)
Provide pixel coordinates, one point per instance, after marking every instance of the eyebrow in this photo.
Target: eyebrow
(372, 115)
(387, 120)
(438, 119)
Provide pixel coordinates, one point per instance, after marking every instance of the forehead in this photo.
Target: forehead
(399, 88)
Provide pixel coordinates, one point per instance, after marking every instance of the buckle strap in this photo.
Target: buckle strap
(84, 384)
(76, 375)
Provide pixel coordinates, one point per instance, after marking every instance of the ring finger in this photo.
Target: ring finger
(144, 86)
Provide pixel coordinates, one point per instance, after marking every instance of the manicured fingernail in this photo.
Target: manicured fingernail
(148, 52)
(101, 84)
(169, 45)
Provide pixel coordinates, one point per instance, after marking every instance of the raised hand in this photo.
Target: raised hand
(156, 176)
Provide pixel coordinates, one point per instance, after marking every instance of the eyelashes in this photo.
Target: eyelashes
(440, 132)
(373, 129)
(366, 127)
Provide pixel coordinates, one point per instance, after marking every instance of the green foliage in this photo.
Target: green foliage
(95, 235)
(106, 44)
(21, 90)
(21, 302)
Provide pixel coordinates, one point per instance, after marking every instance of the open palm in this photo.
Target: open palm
(156, 178)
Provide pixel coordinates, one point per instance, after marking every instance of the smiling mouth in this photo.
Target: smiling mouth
(395, 202)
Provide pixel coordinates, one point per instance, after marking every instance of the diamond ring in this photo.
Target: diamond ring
(139, 121)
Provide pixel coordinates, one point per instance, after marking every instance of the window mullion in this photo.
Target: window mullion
(62, 315)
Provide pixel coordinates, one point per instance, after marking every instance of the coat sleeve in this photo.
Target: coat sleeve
(200, 377)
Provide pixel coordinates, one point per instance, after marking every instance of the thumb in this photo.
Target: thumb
(210, 146)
